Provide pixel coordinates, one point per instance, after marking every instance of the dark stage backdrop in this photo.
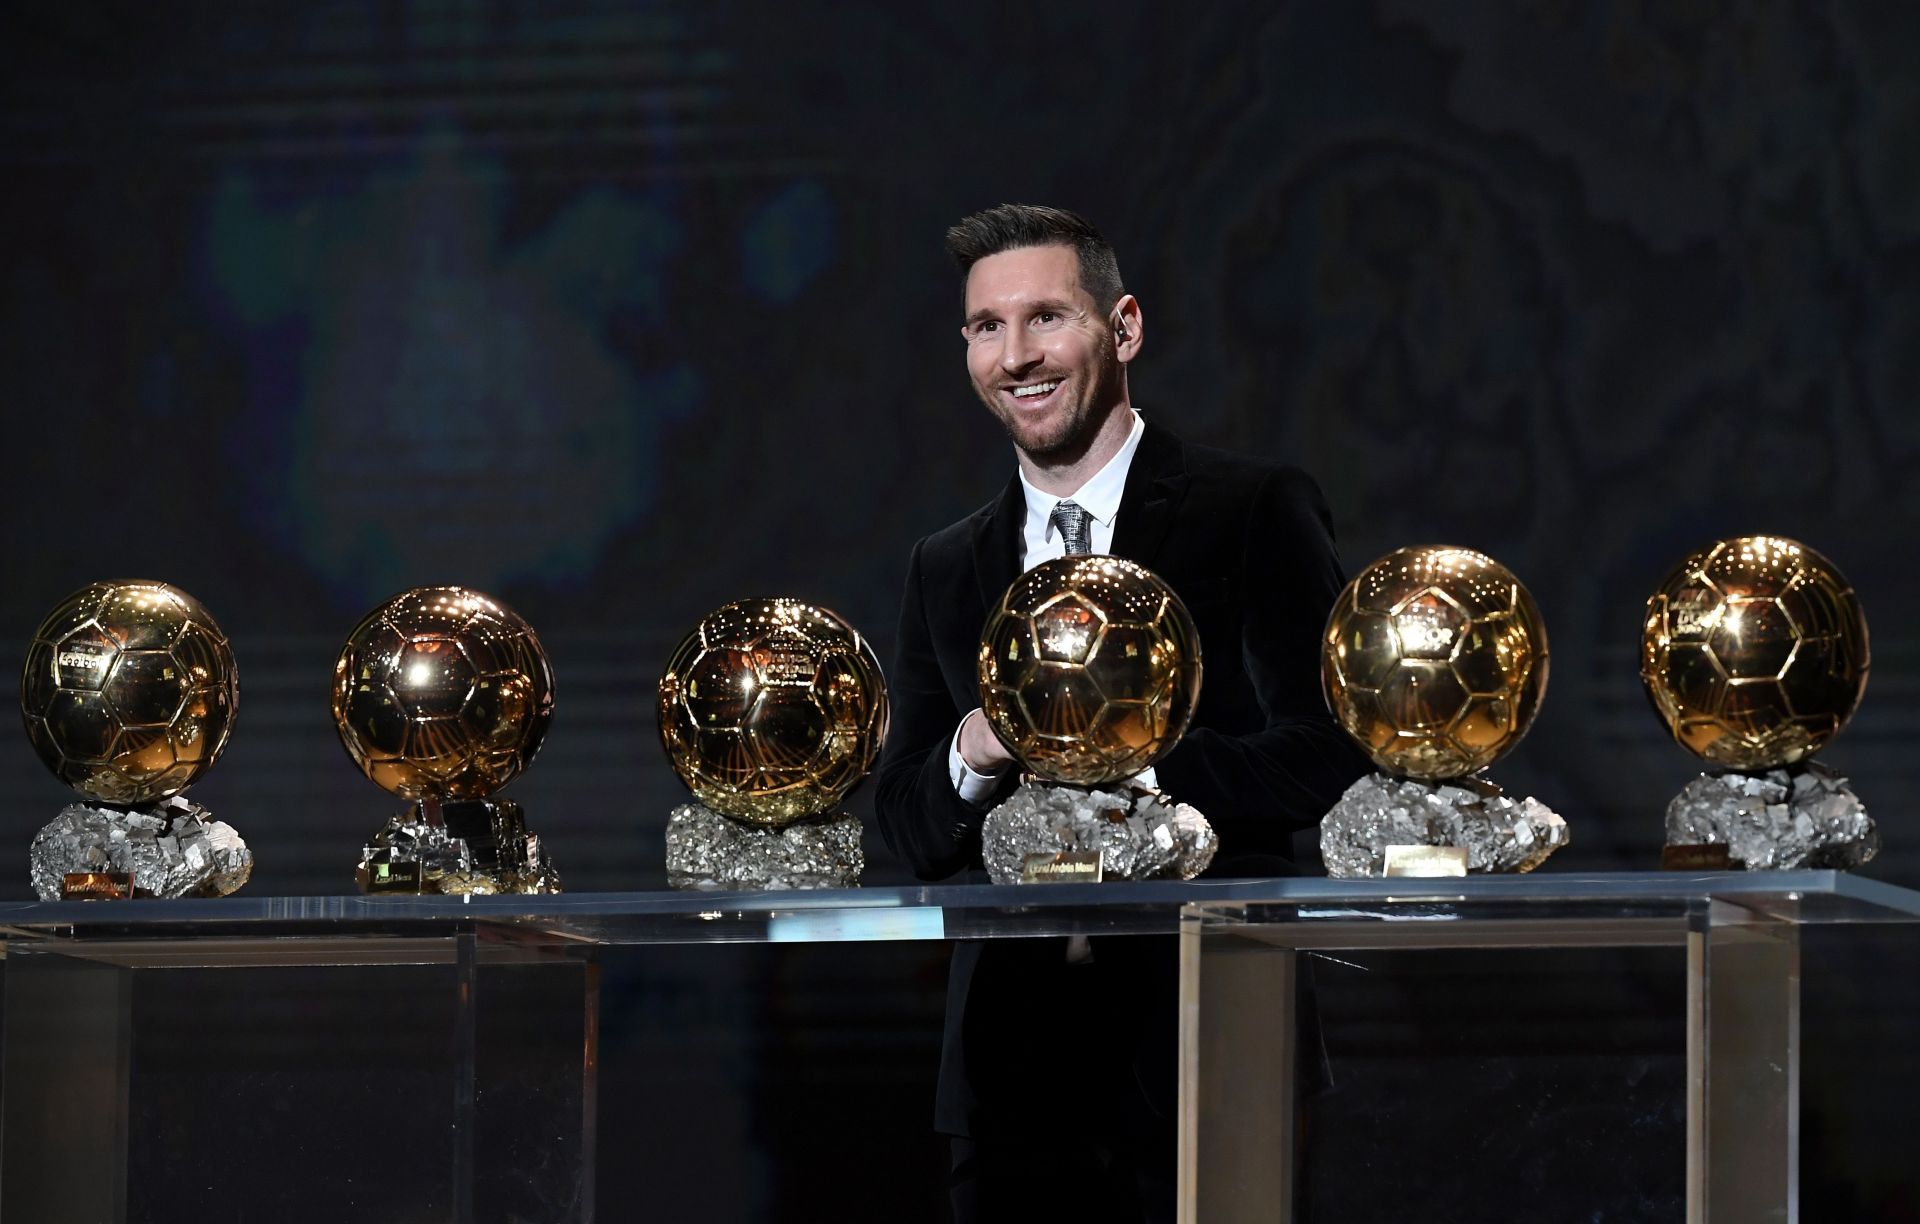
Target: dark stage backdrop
(619, 311)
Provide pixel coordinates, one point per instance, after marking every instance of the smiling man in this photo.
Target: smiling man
(1050, 331)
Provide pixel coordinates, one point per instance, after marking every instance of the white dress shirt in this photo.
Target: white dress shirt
(1040, 541)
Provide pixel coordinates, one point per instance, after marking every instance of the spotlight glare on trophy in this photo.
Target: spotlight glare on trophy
(443, 695)
(1089, 672)
(771, 711)
(1755, 655)
(1435, 660)
(129, 692)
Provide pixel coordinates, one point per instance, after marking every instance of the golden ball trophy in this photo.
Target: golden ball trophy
(771, 711)
(129, 693)
(1435, 660)
(1089, 673)
(442, 696)
(1755, 655)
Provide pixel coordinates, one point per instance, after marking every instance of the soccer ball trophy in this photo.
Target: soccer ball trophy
(442, 696)
(1755, 655)
(771, 711)
(129, 692)
(1089, 672)
(1435, 660)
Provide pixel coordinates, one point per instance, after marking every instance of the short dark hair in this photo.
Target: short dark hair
(1009, 227)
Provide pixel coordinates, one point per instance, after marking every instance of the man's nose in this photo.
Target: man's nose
(1017, 351)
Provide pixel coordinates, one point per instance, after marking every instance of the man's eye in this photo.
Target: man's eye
(1046, 316)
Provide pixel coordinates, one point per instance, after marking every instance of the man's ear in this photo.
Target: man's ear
(1129, 327)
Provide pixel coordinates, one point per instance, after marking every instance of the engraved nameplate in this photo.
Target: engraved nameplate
(393, 878)
(96, 886)
(1426, 861)
(1707, 856)
(1067, 867)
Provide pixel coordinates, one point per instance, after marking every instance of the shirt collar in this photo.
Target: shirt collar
(1099, 496)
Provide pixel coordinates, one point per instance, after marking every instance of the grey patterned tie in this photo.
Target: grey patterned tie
(1070, 519)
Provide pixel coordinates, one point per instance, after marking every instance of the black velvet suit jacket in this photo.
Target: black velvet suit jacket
(1248, 545)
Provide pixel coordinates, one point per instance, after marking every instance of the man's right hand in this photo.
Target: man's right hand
(980, 748)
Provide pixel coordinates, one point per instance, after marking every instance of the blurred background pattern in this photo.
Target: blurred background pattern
(619, 311)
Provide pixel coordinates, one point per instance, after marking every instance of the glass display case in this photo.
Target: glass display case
(461, 1036)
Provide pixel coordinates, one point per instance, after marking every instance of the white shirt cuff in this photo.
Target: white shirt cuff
(971, 785)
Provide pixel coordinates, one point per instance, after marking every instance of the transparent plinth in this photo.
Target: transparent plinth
(1740, 934)
(493, 1110)
(200, 931)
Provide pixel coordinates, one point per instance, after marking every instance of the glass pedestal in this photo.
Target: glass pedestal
(302, 1077)
(410, 1059)
(1741, 941)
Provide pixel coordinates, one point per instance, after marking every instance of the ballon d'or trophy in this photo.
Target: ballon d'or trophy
(1755, 655)
(442, 696)
(771, 711)
(1435, 660)
(1089, 672)
(129, 693)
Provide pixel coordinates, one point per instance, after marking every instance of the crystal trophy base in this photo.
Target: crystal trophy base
(173, 848)
(1499, 834)
(706, 850)
(1136, 834)
(1802, 816)
(472, 848)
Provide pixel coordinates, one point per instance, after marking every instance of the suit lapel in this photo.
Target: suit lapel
(996, 543)
(1156, 483)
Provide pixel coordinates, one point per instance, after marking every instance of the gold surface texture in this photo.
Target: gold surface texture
(1089, 669)
(1435, 660)
(129, 691)
(772, 710)
(442, 692)
(1755, 652)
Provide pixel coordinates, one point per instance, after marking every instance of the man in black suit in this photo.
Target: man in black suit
(1050, 331)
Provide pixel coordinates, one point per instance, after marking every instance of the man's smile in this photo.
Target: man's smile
(1031, 394)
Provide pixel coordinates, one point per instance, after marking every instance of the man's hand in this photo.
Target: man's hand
(980, 748)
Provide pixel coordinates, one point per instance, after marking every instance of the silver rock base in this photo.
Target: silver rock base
(706, 850)
(1782, 819)
(480, 848)
(173, 849)
(1140, 834)
(1498, 833)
